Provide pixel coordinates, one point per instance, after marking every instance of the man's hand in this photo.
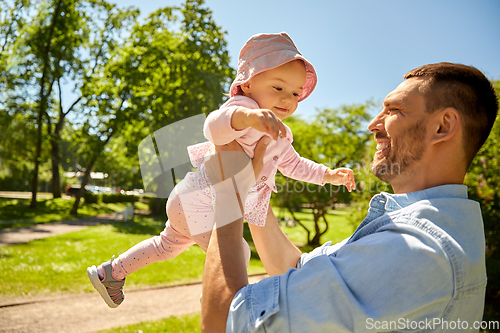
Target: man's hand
(262, 120)
(340, 176)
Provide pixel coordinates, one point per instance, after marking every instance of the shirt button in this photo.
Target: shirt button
(264, 178)
(275, 158)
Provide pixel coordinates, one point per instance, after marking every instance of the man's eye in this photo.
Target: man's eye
(278, 88)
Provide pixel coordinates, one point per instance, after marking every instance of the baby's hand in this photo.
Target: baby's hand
(262, 120)
(340, 176)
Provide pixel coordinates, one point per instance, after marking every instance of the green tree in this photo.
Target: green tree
(172, 66)
(336, 138)
(17, 114)
(483, 178)
(48, 43)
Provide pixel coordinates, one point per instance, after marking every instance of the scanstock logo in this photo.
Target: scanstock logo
(164, 161)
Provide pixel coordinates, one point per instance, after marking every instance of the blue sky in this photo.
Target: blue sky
(362, 49)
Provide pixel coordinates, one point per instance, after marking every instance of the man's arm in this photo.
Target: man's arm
(224, 274)
(225, 271)
(277, 252)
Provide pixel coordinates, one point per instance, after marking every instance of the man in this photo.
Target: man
(415, 262)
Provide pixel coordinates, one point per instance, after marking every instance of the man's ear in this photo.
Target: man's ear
(245, 87)
(446, 125)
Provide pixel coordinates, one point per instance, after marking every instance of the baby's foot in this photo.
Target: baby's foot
(110, 288)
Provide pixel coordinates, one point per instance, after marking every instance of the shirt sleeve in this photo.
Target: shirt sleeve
(384, 277)
(294, 166)
(217, 128)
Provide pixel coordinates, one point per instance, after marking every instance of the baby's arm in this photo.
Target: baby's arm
(294, 166)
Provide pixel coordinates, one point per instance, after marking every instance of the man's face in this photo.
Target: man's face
(400, 131)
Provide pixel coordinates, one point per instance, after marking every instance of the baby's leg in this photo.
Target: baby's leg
(190, 212)
(167, 245)
(200, 214)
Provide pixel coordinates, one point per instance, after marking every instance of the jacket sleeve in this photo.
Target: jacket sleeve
(294, 166)
(218, 129)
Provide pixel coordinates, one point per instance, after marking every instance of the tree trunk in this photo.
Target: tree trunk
(157, 208)
(317, 235)
(74, 210)
(56, 161)
(85, 180)
(34, 182)
(43, 106)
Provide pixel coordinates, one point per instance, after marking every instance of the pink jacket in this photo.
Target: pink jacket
(280, 155)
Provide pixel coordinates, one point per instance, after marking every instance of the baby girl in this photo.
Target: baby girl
(273, 77)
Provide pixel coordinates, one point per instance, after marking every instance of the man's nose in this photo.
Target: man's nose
(377, 123)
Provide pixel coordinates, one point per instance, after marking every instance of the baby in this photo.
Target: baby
(272, 78)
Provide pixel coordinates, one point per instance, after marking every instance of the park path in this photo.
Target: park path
(13, 236)
(82, 313)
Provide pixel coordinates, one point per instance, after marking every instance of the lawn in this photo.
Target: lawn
(181, 324)
(15, 213)
(38, 267)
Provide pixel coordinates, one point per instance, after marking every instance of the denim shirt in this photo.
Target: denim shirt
(415, 264)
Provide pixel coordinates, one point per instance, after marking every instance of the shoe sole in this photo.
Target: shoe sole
(96, 282)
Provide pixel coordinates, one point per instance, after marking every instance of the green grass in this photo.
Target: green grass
(181, 324)
(58, 264)
(15, 213)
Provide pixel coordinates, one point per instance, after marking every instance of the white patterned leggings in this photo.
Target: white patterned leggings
(196, 207)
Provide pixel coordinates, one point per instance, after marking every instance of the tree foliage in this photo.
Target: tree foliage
(483, 178)
(128, 79)
(172, 66)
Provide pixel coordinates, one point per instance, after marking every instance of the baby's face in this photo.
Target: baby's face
(277, 89)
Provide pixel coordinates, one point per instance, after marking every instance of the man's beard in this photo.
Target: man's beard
(405, 151)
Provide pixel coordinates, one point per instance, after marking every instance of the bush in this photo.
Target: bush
(112, 198)
(90, 198)
(156, 205)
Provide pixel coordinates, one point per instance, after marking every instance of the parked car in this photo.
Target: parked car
(71, 190)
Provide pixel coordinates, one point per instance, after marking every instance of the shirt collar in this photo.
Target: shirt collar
(391, 202)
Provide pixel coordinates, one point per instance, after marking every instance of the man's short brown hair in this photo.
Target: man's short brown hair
(467, 90)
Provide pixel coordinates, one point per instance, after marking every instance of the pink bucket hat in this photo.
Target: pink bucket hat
(267, 51)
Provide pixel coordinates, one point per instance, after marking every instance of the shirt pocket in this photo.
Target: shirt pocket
(261, 305)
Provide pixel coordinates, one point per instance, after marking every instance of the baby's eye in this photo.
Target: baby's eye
(278, 88)
(295, 94)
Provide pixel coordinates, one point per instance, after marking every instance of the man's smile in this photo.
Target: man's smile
(382, 147)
